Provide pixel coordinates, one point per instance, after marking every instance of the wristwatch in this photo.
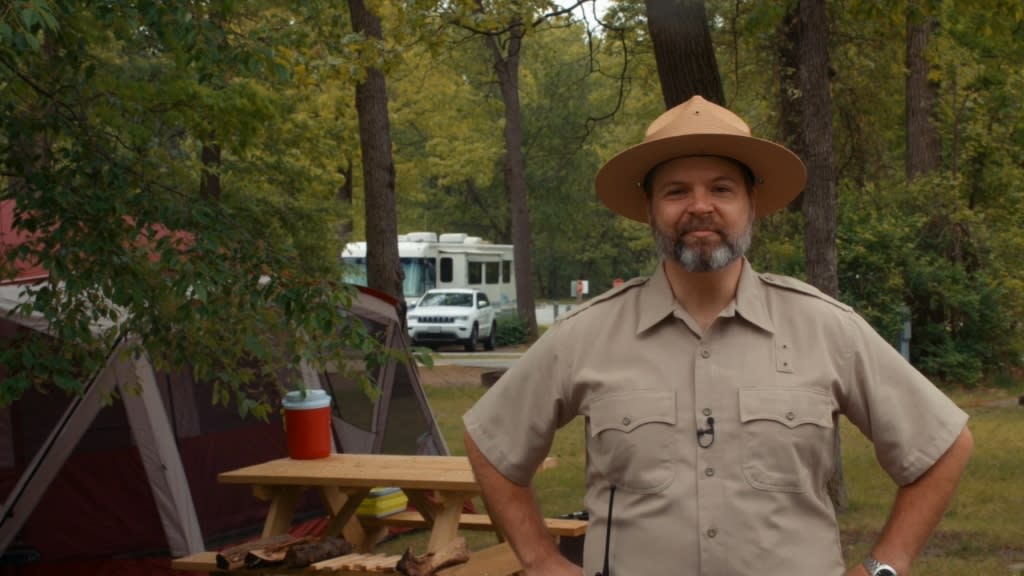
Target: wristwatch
(876, 568)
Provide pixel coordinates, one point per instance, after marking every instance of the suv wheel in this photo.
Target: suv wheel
(471, 341)
(492, 338)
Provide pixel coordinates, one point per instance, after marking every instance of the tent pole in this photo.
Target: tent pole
(160, 457)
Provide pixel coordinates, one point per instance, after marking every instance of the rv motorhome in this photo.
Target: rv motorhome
(452, 260)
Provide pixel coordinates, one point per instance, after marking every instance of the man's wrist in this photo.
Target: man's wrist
(877, 568)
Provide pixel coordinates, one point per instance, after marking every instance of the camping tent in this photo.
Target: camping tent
(83, 478)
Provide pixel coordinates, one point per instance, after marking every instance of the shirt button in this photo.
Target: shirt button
(626, 420)
(706, 411)
(709, 471)
(790, 415)
(712, 532)
(705, 353)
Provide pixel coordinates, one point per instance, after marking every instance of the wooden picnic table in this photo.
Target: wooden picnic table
(436, 486)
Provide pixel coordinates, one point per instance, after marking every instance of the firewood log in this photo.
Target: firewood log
(455, 552)
(234, 556)
(302, 555)
(273, 555)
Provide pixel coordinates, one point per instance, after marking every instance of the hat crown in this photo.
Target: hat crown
(696, 116)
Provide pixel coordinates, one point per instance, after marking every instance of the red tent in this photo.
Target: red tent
(104, 485)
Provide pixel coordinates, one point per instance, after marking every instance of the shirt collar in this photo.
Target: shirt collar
(658, 301)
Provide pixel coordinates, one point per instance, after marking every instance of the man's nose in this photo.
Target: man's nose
(702, 201)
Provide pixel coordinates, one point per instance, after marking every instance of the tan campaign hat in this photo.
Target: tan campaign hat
(700, 128)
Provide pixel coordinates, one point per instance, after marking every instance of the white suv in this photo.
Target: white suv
(453, 315)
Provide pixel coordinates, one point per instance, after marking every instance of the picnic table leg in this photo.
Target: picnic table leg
(282, 507)
(446, 516)
(342, 507)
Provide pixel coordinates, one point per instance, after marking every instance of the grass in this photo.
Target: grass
(982, 532)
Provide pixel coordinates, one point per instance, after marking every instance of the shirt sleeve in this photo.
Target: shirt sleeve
(514, 423)
(910, 421)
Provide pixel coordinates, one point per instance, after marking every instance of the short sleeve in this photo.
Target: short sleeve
(514, 423)
(910, 421)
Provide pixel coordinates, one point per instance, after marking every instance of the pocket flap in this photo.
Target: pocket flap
(790, 407)
(626, 411)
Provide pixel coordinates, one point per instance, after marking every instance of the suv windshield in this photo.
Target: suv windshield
(447, 299)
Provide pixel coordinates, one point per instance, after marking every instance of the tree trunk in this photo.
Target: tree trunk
(819, 201)
(922, 136)
(683, 51)
(790, 106)
(820, 194)
(506, 66)
(344, 196)
(209, 182)
(383, 268)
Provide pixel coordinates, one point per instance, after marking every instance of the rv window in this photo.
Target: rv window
(506, 272)
(446, 270)
(476, 273)
(491, 273)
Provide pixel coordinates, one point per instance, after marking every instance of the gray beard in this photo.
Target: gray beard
(702, 258)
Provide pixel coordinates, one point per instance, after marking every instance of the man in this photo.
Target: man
(711, 393)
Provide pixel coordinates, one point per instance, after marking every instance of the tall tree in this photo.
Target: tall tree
(506, 67)
(819, 197)
(790, 111)
(819, 203)
(683, 51)
(383, 268)
(922, 154)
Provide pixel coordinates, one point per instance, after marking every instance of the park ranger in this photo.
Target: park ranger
(711, 392)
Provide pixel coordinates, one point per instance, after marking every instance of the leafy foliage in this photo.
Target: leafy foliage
(108, 110)
(108, 106)
(512, 330)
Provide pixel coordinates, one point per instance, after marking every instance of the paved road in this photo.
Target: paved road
(495, 360)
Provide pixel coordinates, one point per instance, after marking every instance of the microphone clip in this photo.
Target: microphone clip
(709, 431)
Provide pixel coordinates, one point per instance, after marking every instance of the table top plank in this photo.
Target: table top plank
(364, 471)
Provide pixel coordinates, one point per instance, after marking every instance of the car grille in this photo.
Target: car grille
(437, 319)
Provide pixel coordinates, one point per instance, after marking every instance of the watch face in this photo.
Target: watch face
(885, 572)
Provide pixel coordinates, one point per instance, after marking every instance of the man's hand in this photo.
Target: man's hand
(858, 570)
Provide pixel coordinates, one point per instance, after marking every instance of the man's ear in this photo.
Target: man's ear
(753, 200)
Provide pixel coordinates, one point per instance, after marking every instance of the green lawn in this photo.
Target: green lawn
(982, 533)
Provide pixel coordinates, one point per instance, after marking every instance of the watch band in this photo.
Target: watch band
(876, 568)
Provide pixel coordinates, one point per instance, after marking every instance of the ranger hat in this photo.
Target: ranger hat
(700, 128)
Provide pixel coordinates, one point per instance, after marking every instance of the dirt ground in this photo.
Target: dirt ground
(450, 375)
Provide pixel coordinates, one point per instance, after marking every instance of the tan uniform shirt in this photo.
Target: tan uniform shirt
(774, 371)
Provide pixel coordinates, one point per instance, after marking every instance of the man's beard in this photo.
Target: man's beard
(700, 257)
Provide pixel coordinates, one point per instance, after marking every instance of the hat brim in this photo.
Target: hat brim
(779, 174)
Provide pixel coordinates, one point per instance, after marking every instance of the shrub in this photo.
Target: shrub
(511, 329)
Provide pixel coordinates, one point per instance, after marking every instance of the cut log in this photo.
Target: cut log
(302, 555)
(234, 556)
(455, 552)
(273, 555)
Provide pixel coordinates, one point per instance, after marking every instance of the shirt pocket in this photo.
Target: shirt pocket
(631, 439)
(787, 438)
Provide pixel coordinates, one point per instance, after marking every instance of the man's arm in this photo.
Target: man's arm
(919, 507)
(515, 510)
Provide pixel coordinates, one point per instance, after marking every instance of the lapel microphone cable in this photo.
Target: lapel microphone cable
(608, 533)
